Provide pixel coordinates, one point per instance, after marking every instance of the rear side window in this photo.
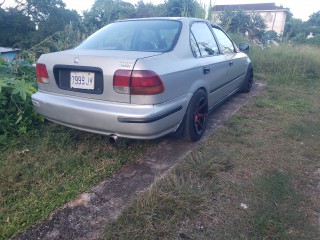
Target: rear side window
(225, 43)
(194, 47)
(205, 41)
(151, 35)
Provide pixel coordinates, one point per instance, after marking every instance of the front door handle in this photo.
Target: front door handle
(206, 70)
(230, 63)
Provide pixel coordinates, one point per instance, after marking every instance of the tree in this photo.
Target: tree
(256, 26)
(314, 23)
(107, 11)
(238, 21)
(200, 10)
(294, 27)
(16, 29)
(39, 11)
(47, 16)
(299, 31)
(146, 10)
(314, 19)
(234, 21)
(180, 8)
(209, 11)
(57, 20)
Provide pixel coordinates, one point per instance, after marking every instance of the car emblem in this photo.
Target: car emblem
(76, 60)
(126, 64)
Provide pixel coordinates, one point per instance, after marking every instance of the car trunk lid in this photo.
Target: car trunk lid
(94, 69)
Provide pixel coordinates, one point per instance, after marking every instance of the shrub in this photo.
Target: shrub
(17, 84)
(314, 40)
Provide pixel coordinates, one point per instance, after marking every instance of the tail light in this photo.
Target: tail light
(137, 82)
(121, 81)
(42, 73)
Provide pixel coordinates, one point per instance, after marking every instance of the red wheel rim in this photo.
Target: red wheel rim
(200, 115)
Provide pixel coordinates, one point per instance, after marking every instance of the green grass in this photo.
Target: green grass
(51, 166)
(298, 65)
(264, 157)
(277, 211)
(173, 199)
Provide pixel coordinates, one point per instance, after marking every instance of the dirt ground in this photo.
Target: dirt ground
(85, 217)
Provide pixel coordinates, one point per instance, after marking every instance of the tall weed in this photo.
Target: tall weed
(289, 65)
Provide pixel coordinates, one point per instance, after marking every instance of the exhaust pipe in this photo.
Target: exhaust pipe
(112, 139)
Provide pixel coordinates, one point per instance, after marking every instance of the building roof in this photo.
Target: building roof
(5, 49)
(249, 7)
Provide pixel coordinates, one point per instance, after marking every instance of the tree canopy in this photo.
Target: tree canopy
(303, 32)
(30, 22)
(238, 21)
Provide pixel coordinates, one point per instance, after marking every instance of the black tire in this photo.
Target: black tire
(248, 81)
(196, 116)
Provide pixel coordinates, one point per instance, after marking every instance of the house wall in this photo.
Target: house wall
(275, 20)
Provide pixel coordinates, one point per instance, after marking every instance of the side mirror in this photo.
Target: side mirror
(244, 47)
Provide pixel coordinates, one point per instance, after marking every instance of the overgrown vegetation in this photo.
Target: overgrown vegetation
(255, 176)
(287, 65)
(17, 83)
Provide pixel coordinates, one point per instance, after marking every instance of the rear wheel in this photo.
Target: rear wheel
(196, 116)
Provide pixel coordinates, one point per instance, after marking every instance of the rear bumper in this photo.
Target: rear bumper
(123, 120)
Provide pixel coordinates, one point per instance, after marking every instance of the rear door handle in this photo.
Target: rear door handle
(230, 63)
(206, 70)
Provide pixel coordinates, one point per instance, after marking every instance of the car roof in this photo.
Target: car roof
(181, 19)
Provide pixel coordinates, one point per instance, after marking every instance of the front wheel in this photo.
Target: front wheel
(196, 116)
(248, 81)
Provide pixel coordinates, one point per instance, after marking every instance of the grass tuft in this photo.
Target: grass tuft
(154, 214)
(303, 131)
(277, 212)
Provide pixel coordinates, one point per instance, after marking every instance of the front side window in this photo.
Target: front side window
(204, 39)
(153, 35)
(225, 43)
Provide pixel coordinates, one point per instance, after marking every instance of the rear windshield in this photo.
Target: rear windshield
(144, 35)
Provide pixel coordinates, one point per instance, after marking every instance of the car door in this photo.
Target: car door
(214, 66)
(236, 64)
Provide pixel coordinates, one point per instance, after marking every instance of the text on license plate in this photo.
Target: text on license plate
(82, 80)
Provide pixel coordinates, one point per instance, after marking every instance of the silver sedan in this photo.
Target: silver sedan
(143, 78)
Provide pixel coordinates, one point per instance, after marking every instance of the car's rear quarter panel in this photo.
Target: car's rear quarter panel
(178, 70)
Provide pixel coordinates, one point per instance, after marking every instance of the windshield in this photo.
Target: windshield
(140, 35)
